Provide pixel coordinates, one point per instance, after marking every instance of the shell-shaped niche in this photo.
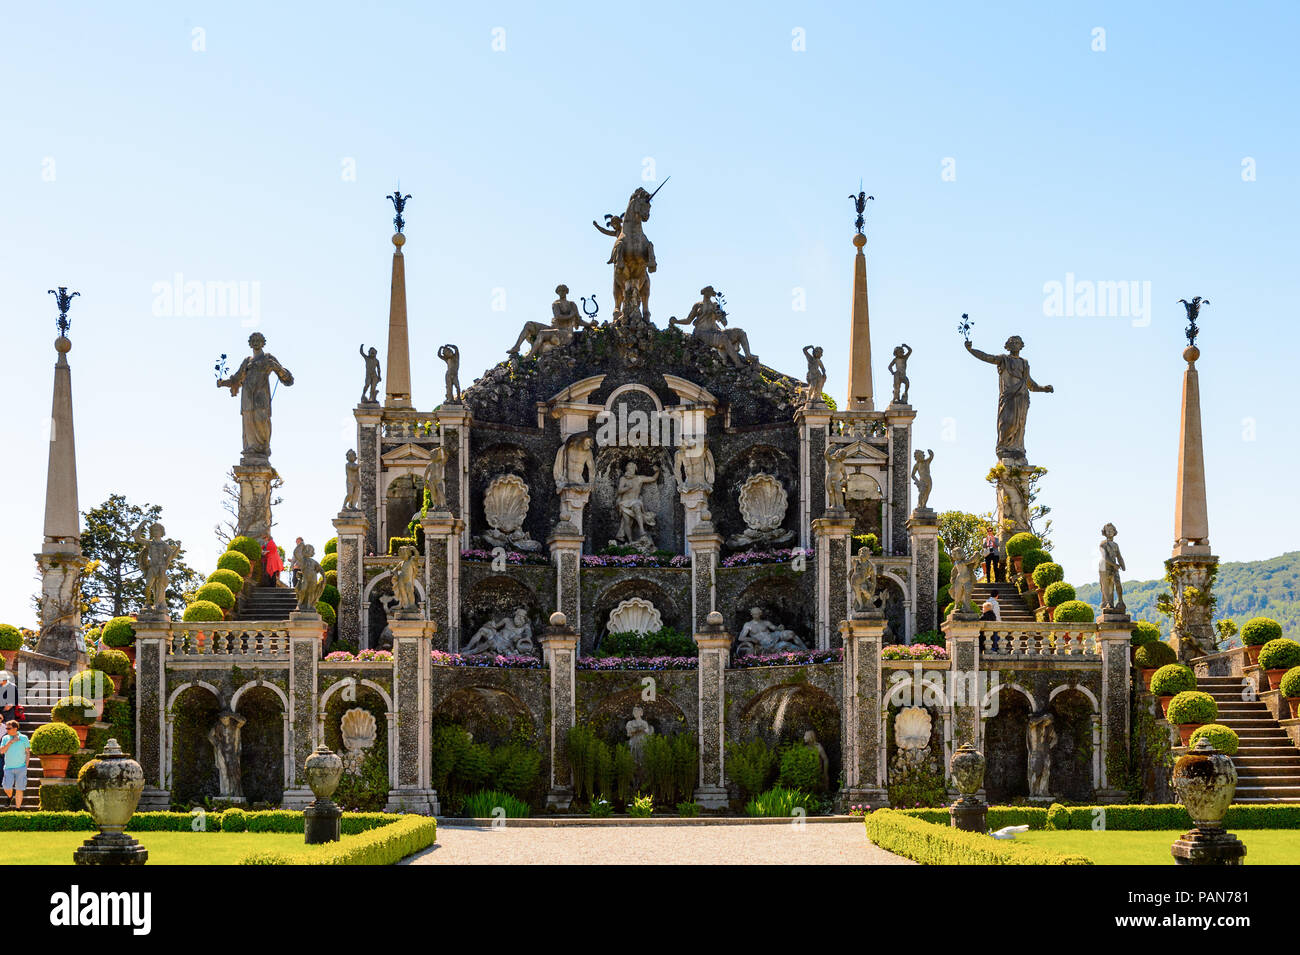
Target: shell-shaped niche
(763, 502)
(358, 729)
(505, 503)
(912, 728)
(635, 615)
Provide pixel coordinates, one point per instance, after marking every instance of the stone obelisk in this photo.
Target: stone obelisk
(398, 390)
(861, 393)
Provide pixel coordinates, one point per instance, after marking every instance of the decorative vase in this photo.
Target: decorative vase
(1275, 677)
(967, 768)
(1185, 730)
(111, 786)
(323, 769)
(1147, 674)
(1016, 562)
(1205, 781)
(54, 765)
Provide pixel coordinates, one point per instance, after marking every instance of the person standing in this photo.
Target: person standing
(17, 751)
(272, 561)
(992, 558)
(296, 562)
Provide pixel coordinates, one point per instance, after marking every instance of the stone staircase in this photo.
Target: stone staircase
(1268, 764)
(267, 603)
(1011, 604)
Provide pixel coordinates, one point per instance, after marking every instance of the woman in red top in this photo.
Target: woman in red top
(271, 556)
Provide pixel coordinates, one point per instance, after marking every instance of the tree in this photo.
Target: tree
(962, 533)
(116, 584)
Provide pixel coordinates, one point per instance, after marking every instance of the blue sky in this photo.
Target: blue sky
(131, 156)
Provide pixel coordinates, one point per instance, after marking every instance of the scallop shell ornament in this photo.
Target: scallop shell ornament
(763, 502)
(505, 503)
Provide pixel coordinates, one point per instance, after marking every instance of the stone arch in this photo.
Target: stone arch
(373, 616)
(784, 601)
(633, 387)
(1076, 755)
(192, 710)
(1006, 748)
(780, 715)
(669, 609)
(403, 499)
(369, 696)
(898, 606)
(264, 758)
(497, 596)
(608, 718)
(491, 714)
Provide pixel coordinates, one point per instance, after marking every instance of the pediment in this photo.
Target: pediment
(407, 456)
(861, 452)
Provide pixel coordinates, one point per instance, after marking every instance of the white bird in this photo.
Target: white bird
(1008, 832)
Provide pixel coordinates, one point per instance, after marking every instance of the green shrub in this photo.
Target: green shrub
(688, 810)
(1021, 544)
(326, 612)
(330, 595)
(234, 820)
(331, 578)
(397, 543)
(264, 820)
(1058, 593)
(1047, 574)
(57, 797)
(623, 771)
(1154, 655)
(1073, 611)
(485, 803)
(112, 662)
(1149, 818)
(931, 844)
(11, 638)
(74, 710)
(1034, 817)
(203, 611)
(664, 642)
(329, 562)
(331, 546)
(91, 684)
(227, 578)
(1258, 631)
(947, 611)
(55, 739)
(516, 769)
(641, 807)
(1193, 706)
(1291, 683)
(1034, 559)
(1221, 737)
(248, 547)
(1172, 679)
(1282, 654)
(218, 594)
(1144, 632)
(781, 802)
(750, 766)
(118, 632)
(601, 808)
(383, 845)
(233, 560)
(800, 768)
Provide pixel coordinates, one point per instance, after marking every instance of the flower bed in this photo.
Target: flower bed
(512, 557)
(790, 658)
(635, 560)
(782, 556)
(637, 663)
(442, 658)
(365, 656)
(915, 651)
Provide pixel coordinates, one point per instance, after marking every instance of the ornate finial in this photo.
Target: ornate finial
(65, 302)
(965, 325)
(1193, 312)
(399, 203)
(595, 308)
(860, 204)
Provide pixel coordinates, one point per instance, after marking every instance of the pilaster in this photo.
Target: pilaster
(455, 422)
(559, 656)
(412, 665)
(1113, 633)
(863, 635)
(705, 547)
(353, 531)
(814, 431)
(152, 633)
(923, 530)
(962, 632)
(369, 440)
(899, 420)
(306, 630)
(832, 535)
(565, 543)
(442, 574)
(714, 643)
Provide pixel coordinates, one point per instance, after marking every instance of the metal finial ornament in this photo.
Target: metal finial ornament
(399, 203)
(595, 308)
(65, 302)
(1193, 313)
(860, 204)
(965, 325)
(220, 369)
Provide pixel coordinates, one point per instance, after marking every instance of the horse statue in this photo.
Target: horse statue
(633, 255)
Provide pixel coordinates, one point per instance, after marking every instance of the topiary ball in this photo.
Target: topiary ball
(1172, 679)
(948, 609)
(74, 710)
(1047, 574)
(332, 546)
(234, 560)
(1021, 544)
(1058, 593)
(1192, 706)
(329, 562)
(248, 547)
(55, 739)
(1034, 559)
(1223, 738)
(92, 684)
(1280, 654)
(218, 594)
(234, 820)
(330, 595)
(1144, 632)
(326, 612)
(1290, 685)
(331, 578)
(11, 638)
(1152, 656)
(203, 611)
(1074, 611)
(118, 632)
(1258, 631)
(227, 577)
(112, 662)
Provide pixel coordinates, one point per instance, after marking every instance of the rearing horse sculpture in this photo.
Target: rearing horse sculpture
(633, 256)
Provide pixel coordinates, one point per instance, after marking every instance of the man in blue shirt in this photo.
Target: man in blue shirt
(17, 750)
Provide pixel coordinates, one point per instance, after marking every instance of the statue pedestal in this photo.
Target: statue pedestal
(573, 501)
(321, 822)
(255, 479)
(695, 507)
(412, 790)
(442, 573)
(559, 655)
(705, 546)
(1208, 847)
(714, 643)
(969, 815)
(111, 848)
(352, 529)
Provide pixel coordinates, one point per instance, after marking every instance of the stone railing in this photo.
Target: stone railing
(262, 640)
(1076, 641)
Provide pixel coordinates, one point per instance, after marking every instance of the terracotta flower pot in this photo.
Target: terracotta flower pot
(1293, 702)
(1275, 678)
(1147, 674)
(9, 657)
(81, 732)
(1051, 613)
(130, 653)
(1164, 705)
(117, 683)
(1185, 730)
(54, 766)
(1252, 654)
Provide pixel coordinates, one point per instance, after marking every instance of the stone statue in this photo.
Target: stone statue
(1014, 386)
(352, 499)
(638, 732)
(836, 477)
(759, 636)
(507, 636)
(633, 517)
(961, 583)
(816, 376)
(505, 506)
(709, 321)
(575, 462)
(633, 255)
(435, 479)
(224, 737)
(451, 355)
(254, 377)
(863, 582)
(898, 368)
(1041, 736)
(370, 390)
(156, 556)
(1108, 570)
(823, 761)
(311, 582)
(921, 477)
(565, 321)
(693, 466)
(404, 579)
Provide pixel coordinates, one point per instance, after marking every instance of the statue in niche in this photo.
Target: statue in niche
(961, 584)
(435, 479)
(505, 505)
(507, 636)
(566, 320)
(693, 466)
(224, 737)
(311, 582)
(836, 477)
(451, 355)
(710, 321)
(638, 732)
(863, 582)
(632, 514)
(1108, 570)
(389, 603)
(1041, 737)
(823, 761)
(763, 504)
(404, 579)
(921, 477)
(156, 556)
(370, 390)
(633, 255)
(254, 378)
(1014, 386)
(759, 636)
(898, 368)
(816, 377)
(358, 730)
(352, 471)
(575, 462)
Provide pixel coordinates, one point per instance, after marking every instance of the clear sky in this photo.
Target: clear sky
(1007, 148)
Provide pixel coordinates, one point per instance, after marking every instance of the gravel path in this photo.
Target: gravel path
(823, 844)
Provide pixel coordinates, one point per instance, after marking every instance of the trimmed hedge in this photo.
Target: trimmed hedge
(1035, 817)
(931, 844)
(331, 546)
(1282, 654)
(1222, 738)
(11, 638)
(330, 595)
(1021, 544)
(1058, 593)
(248, 547)
(1258, 631)
(1073, 611)
(74, 710)
(55, 739)
(1047, 574)
(233, 560)
(1144, 632)
(92, 684)
(61, 797)
(118, 632)
(326, 612)
(263, 820)
(1151, 656)
(1192, 706)
(1121, 818)
(329, 562)
(397, 543)
(1031, 561)
(384, 846)
(203, 611)
(112, 662)
(1291, 683)
(216, 593)
(228, 578)
(1172, 679)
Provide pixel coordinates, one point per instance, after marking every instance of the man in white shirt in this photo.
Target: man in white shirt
(997, 610)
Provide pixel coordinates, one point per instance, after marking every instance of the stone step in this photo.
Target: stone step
(1264, 750)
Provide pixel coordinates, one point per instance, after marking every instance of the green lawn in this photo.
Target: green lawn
(165, 848)
(1263, 846)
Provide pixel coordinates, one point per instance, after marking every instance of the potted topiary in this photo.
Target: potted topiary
(1073, 611)
(227, 577)
(114, 664)
(1223, 738)
(1030, 561)
(1056, 594)
(1143, 632)
(233, 560)
(1169, 681)
(1150, 657)
(1018, 545)
(1278, 656)
(1191, 710)
(1046, 574)
(119, 634)
(55, 744)
(1290, 687)
(77, 712)
(1256, 632)
(11, 641)
(217, 593)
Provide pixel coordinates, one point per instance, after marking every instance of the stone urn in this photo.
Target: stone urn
(323, 769)
(111, 786)
(969, 812)
(1205, 781)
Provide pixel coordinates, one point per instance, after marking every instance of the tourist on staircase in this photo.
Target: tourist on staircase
(271, 557)
(17, 750)
(992, 560)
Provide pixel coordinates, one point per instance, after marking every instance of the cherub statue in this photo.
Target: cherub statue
(156, 557)
(898, 368)
(816, 376)
(921, 476)
(404, 579)
(862, 581)
(370, 390)
(961, 584)
(311, 582)
(435, 479)
(451, 355)
(1108, 570)
(836, 478)
(352, 499)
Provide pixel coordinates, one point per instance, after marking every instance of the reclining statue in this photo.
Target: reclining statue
(565, 321)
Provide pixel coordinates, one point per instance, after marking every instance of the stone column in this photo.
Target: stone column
(305, 632)
(254, 499)
(61, 566)
(705, 545)
(1113, 633)
(152, 633)
(814, 431)
(714, 644)
(412, 665)
(369, 439)
(442, 574)
(832, 535)
(923, 529)
(863, 635)
(353, 531)
(559, 656)
(962, 631)
(565, 543)
(455, 422)
(899, 504)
